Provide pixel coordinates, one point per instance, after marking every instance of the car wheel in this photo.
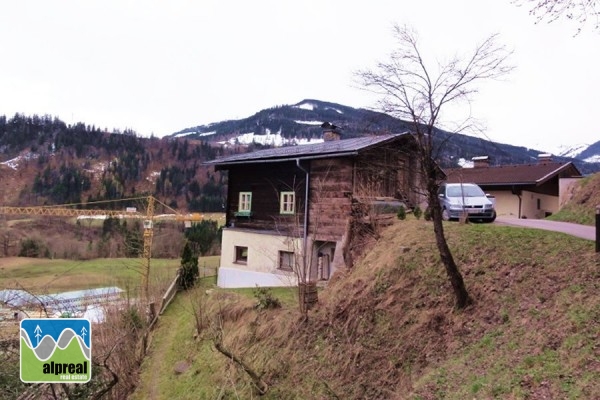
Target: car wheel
(445, 215)
(490, 220)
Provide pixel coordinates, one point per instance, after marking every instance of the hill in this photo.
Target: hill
(584, 197)
(301, 121)
(44, 161)
(386, 329)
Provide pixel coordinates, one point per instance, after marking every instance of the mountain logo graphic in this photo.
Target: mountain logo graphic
(56, 350)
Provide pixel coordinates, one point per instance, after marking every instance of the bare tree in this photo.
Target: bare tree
(412, 90)
(580, 11)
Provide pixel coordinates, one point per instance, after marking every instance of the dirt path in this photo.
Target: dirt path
(149, 387)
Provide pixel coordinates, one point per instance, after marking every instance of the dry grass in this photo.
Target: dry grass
(387, 329)
(581, 208)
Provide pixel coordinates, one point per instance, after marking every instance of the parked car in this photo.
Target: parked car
(456, 198)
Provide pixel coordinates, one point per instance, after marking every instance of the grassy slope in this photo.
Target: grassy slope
(581, 208)
(387, 329)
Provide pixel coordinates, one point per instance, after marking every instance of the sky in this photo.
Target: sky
(158, 67)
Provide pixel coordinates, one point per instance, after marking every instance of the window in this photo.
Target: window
(245, 204)
(286, 260)
(287, 203)
(241, 254)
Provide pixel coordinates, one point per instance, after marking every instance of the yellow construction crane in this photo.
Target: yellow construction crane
(148, 218)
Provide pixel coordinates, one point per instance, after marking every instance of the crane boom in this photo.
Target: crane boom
(68, 212)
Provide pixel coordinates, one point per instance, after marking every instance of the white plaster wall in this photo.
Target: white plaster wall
(507, 204)
(241, 278)
(263, 259)
(529, 206)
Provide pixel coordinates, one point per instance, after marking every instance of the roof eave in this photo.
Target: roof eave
(555, 172)
(226, 165)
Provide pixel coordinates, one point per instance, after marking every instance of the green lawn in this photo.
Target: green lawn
(49, 276)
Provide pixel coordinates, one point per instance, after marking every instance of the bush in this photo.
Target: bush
(265, 299)
(427, 214)
(401, 213)
(33, 248)
(417, 212)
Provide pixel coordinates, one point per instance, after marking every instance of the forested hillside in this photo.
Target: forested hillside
(45, 161)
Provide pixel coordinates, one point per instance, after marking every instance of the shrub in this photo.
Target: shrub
(427, 214)
(32, 248)
(265, 299)
(417, 212)
(401, 213)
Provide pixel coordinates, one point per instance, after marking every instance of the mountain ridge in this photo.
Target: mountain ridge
(302, 121)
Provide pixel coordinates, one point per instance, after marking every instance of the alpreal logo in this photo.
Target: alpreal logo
(56, 350)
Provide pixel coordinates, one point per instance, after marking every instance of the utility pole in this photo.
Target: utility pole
(146, 254)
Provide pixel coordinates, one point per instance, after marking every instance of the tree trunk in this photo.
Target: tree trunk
(461, 295)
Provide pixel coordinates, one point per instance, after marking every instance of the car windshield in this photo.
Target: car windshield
(467, 191)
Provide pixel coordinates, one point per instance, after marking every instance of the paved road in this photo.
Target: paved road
(582, 231)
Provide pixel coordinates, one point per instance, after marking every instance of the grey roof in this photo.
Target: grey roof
(336, 148)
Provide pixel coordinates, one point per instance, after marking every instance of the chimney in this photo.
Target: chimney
(544, 158)
(331, 132)
(481, 162)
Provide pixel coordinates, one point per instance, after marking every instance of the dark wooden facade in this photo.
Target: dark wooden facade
(388, 171)
(266, 181)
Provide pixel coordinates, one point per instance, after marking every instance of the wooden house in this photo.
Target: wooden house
(291, 210)
(523, 190)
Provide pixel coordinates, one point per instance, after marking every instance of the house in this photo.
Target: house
(521, 191)
(292, 212)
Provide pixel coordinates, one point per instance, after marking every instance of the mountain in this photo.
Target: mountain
(585, 152)
(300, 123)
(45, 161)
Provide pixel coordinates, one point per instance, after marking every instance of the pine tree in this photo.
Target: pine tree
(188, 272)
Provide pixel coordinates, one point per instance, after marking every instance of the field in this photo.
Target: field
(51, 276)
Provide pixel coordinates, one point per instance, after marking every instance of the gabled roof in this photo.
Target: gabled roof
(336, 148)
(521, 174)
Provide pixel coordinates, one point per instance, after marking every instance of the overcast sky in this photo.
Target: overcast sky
(161, 66)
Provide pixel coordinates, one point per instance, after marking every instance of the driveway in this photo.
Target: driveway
(582, 231)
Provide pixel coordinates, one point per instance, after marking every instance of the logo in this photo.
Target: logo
(56, 350)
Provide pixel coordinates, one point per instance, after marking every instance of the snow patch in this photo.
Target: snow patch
(184, 134)
(309, 122)
(464, 163)
(195, 133)
(593, 159)
(571, 150)
(335, 109)
(306, 106)
(269, 139)
(152, 176)
(15, 162)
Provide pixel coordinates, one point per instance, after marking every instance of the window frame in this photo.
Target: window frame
(238, 255)
(292, 256)
(283, 203)
(245, 206)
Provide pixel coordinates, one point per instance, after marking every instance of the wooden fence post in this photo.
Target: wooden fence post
(598, 229)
